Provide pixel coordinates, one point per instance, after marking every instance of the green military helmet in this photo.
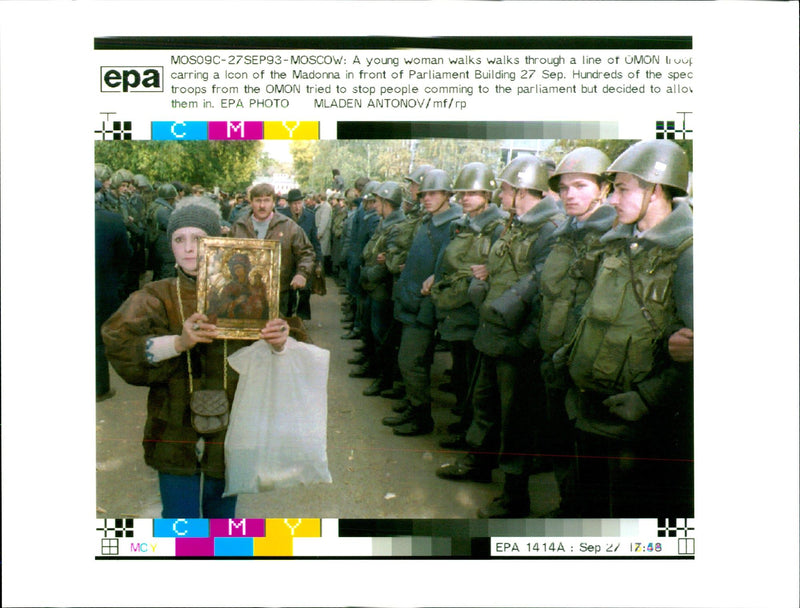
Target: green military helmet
(167, 191)
(142, 182)
(102, 172)
(474, 176)
(392, 192)
(119, 176)
(369, 189)
(581, 160)
(435, 180)
(418, 173)
(526, 171)
(657, 161)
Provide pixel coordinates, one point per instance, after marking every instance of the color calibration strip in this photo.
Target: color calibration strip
(232, 130)
(114, 127)
(662, 538)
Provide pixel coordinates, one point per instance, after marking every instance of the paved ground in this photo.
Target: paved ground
(376, 474)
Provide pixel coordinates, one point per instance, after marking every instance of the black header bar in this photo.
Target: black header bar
(499, 43)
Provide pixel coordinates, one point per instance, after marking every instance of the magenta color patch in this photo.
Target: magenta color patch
(237, 528)
(185, 547)
(235, 130)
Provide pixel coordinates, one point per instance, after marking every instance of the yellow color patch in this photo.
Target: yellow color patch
(280, 545)
(289, 129)
(292, 528)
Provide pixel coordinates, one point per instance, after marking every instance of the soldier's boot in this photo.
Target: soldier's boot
(515, 501)
(377, 387)
(470, 467)
(420, 422)
(405, 414)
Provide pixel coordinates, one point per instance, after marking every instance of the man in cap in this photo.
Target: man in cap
(297, 252)
(300, 300)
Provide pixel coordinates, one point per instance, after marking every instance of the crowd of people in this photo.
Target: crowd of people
(563, 293)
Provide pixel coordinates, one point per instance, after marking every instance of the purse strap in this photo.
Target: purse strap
(188, 357)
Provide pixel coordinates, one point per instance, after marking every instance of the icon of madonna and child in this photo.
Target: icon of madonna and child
(238, 294)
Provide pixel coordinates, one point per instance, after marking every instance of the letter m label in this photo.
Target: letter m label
(242, 523)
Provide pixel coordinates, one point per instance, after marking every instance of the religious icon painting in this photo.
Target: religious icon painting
(238, 284)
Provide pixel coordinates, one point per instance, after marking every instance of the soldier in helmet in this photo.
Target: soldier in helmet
(631, 398)
(124, 197)
(566, 280)
(472, 237)
(102, 174)
(414, 307)
(366, 227)
(162, 261)
(355, 245)
(396, 256)
(411, 205)
(338, 216)
(507, 379)
(378, 282)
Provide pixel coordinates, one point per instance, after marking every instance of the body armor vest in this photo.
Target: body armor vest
(509, 259)
(566, 282)
(380, 290)
(465, 249)
(625, 318)
(403, 238)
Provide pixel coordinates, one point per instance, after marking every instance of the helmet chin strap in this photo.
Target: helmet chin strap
(601, 197)
(648, 194)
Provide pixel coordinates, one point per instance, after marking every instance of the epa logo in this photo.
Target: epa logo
(131, 79)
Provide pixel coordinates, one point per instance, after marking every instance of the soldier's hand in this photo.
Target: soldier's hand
(426, 286)
(628, 406)
(681, 345)
(479, 271)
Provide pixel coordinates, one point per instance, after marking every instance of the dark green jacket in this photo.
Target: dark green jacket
(521, 250)
(470, 242)
(620, 348)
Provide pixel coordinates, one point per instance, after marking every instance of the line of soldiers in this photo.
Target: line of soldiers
(568, 316)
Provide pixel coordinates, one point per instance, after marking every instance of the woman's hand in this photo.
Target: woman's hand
(298, 281)
(195, 329)
(276, 332)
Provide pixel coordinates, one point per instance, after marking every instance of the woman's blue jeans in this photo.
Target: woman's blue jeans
(180, 497)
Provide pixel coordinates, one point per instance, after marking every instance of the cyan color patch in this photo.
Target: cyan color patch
(180, 528)
(179, 130)
(233, 546)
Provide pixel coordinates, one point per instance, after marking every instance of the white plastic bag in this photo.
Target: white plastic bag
(277, 432)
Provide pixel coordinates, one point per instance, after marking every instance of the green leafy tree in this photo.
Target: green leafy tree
(229, 165)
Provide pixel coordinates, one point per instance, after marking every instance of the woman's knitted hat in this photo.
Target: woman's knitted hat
(197, 212)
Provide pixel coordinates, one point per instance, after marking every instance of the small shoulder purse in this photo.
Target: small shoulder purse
(210, 408)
